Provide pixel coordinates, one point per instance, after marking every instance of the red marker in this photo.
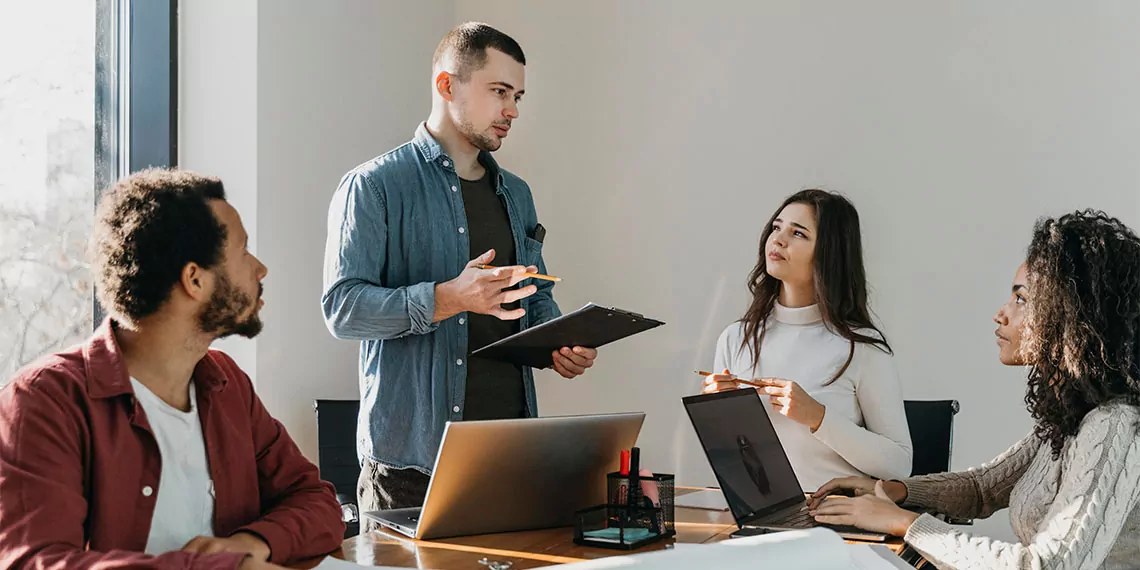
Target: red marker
(623, 484)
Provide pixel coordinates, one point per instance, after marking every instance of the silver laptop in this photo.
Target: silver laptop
(749, 462)
(507, 475)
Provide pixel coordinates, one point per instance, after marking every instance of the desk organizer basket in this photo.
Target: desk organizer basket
(620, 525)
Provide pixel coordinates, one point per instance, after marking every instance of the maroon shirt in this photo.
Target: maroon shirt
(77, 452)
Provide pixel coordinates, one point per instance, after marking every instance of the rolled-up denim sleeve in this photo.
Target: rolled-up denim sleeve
(355, 302)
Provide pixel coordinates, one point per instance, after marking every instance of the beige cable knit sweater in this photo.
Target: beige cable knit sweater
(1079, 511)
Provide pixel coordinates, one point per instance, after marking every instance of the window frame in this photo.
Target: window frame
(136, 92)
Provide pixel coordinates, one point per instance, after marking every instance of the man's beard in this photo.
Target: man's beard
(221, 315)
(480, 141)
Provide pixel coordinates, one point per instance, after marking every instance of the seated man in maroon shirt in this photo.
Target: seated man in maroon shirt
(143, 448)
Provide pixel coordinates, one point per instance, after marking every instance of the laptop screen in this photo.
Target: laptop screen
(743, 450)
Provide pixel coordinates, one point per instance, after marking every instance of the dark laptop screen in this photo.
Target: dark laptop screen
(743, 450)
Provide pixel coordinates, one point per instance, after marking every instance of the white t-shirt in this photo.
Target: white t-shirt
(864, 431)
(185, 505)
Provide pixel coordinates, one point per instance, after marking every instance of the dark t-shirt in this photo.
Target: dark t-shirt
(494, 388)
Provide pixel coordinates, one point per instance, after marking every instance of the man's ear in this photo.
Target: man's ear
(443, 84)
(195, 282)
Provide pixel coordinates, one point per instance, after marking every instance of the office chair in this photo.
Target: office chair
(932, 433)
(336, 455)
(931, 425)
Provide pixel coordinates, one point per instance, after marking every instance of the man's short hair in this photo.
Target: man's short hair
(468, 43)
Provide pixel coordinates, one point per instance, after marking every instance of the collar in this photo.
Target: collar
(808, 315)
(106, 371)
(432, 151)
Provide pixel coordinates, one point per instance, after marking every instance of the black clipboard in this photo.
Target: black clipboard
(591, 326)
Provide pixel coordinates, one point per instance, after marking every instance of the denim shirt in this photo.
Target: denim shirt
(396, 228)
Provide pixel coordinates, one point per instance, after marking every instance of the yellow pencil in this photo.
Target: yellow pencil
(528, 274)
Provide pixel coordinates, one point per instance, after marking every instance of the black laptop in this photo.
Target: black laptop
(750, 464)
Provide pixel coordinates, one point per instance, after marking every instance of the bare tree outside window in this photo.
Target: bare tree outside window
(47, 149)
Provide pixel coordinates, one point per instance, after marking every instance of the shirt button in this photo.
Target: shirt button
(148, 491)
(461, 320)
(455, 409)
(461, 230)
(459, 362)
(453, 189)
(446, 163)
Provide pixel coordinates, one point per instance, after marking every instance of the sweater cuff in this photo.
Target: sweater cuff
(919, 493)
(928, 534)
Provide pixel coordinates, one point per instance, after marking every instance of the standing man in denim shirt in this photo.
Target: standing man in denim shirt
(407, 232)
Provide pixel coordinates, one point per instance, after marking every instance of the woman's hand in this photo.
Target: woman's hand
(875, 512)
(848, 486)
(789, 399)
(786, 397)
(720, 383)
(856, 486)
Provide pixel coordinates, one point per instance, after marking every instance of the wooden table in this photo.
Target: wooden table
(525, 549)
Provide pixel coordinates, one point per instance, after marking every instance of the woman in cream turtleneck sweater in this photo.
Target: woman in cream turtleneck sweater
(828, 372)
(1073, 485)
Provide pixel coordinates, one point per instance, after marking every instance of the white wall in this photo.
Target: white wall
(659, 135)
(217, 113)
(280, 99)
(338, 83)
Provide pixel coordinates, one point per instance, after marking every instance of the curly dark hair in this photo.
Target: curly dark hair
(148, 226)
(1084, 320)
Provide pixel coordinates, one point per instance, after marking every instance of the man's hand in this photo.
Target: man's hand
(482, 290)
(238, 542)
(251, 564)
(573, 362)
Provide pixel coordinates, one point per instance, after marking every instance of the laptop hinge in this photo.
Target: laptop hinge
(772, 513)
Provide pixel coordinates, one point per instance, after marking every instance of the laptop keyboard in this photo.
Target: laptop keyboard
(800, 519)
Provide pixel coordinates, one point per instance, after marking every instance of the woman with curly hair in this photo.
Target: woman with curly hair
(1072, 486)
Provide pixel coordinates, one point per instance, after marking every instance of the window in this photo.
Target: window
(85, 86)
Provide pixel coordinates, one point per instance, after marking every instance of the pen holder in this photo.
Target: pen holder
(658, 488)
(625, 525)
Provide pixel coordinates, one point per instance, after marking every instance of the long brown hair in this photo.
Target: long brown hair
(840, 280)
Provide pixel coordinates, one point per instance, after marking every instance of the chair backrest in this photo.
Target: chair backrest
(336, 444)
(931, 433)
